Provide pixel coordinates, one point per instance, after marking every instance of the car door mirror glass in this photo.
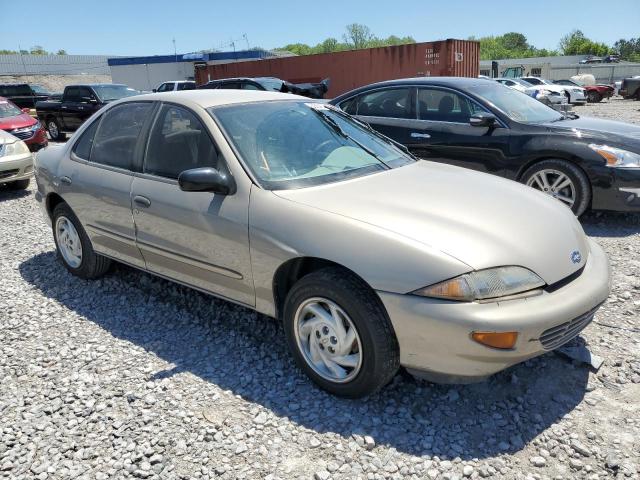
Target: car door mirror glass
(206, 179)
(482, 119)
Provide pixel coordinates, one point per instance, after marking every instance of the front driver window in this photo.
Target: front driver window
(445, 106)
(178, 142)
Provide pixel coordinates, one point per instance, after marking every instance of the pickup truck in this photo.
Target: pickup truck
(77, 104)
(630, 88)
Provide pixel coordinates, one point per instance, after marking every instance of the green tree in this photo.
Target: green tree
(515, 41)
(8, 52)
(61, 52)
(628, 49)
(37, 50)
(358, 35)
(576, 43)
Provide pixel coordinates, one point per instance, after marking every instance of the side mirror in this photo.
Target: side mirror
(26, 110)
(154, 90)
(88, 100)
(206, 180)
(483, 119)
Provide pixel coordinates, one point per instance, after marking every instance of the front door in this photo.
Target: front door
(78, 105)
(197, 238)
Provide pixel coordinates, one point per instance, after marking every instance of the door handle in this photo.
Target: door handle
(420, 135)
(65, 180)
(142, 201)
(63, 108)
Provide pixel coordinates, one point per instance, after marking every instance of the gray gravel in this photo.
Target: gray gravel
(131, 376)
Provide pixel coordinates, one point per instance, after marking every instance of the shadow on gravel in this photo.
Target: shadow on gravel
(611, 224)
(245, 353)
(7, 193)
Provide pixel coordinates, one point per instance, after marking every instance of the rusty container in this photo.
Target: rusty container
(355, 68)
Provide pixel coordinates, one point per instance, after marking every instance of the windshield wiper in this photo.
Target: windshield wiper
(338, 129)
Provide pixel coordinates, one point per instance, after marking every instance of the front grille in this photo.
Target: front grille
(561, 334)
(9, 173)
(23, 135)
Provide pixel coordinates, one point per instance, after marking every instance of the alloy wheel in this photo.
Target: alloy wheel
(554, 183)
(328, 340)
(68, 242)
(53, 130)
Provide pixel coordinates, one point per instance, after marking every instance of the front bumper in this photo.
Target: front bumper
(16, 167)
(619, 190)
(435, 335)
(578, 97)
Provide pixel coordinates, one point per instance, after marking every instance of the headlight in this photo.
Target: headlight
(15, 148)
(616, 157)
(483, 284)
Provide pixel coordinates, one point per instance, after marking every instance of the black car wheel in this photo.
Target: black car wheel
(562, 180)
(74, 247)
(54, 130)
(593, 96)
(340, 334)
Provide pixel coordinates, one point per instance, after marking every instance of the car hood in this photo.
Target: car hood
(19, 121)
(482, 220)
(605, 130)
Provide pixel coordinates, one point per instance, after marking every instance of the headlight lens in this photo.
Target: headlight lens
(15, 148)
(616, 157)
(484, 284)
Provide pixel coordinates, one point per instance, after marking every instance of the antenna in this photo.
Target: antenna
(175, 52)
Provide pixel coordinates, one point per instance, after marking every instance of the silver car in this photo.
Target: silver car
(372, 260)
(16, 162)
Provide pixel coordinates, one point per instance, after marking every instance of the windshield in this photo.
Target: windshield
(270, 83)
(39, 89)
(108, 93)
(516, 105)
(293, 144)
(8, 109)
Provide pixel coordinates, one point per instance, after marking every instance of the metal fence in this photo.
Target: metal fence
(54, 64)
(604, 73)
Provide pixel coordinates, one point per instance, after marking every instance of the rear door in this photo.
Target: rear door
(97, 183)
(390, 110)
(197, 238)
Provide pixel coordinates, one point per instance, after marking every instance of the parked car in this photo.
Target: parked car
(267, 200)
(77, 104)
(583, 162)
(574, 94)
(550, 97)
(595, 93)
(176, 85)
(630, 88)
(24, 95)
(311, 90)
(16, 162)
(20, 124)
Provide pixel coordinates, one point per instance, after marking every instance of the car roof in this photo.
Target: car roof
(179, 81)
(206, 98)
(97, 85)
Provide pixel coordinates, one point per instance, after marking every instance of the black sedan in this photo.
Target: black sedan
(311, 90)
(474, 123)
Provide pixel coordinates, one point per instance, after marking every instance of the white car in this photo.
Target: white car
(540, 92)
(16, 162)
(175, 85)
(574, 94)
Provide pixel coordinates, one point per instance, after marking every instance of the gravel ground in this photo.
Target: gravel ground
(131, 376)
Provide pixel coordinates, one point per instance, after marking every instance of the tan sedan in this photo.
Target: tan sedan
(372, 259)
(16, 162)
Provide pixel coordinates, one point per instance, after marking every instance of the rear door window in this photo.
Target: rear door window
(72, 94)
(166, 87)
(186, 86)
(389, 103)
(230, 85)
(117, 137)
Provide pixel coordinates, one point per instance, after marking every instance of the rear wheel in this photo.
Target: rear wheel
(19, 184)
(54, 130)
(339, 333)
(563, 181)
(74, 247)
(593, 96)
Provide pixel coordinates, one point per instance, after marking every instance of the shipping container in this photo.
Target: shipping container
(355, 68)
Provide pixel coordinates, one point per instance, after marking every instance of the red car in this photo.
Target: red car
(22, 125)
(594, 93)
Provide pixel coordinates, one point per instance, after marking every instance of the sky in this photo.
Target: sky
(133, 27)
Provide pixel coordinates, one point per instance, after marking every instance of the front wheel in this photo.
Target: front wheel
(563, 181)
(74, 247)
(339, 333)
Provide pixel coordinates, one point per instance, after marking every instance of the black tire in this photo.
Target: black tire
(593, 96)
(19, 184)
(92, 265)
(568, 95)
(576, 175)
(54, 130)
(380, 351)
